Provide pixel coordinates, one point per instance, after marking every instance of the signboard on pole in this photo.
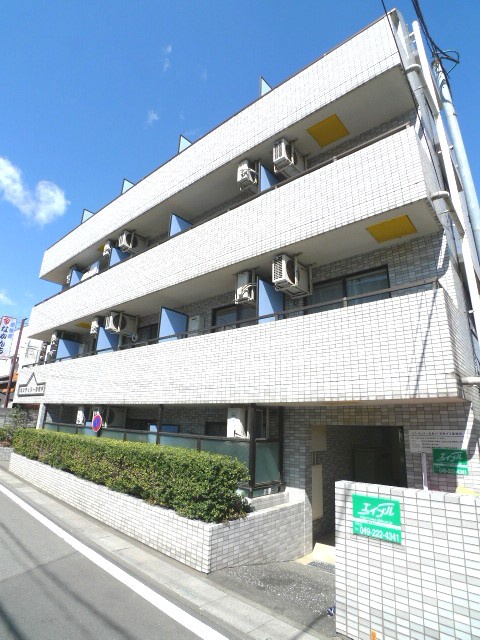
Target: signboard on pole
(7, 329)
(97, 422)
(451, 461)
(425, 441)
(378, 518)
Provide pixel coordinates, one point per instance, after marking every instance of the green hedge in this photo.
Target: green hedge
(196, 484)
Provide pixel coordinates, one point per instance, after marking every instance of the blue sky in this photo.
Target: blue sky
(93, 92)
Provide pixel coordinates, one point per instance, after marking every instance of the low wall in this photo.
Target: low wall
(5, 453)
(426, 586)
(271, 534)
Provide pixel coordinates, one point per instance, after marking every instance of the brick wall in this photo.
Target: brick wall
(247, 231)
(368, 54)
(348, 427)
(425, 588)
(387, 349)
(205, 547)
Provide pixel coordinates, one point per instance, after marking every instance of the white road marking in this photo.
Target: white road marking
(197, 627)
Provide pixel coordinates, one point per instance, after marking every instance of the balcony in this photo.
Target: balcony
(361, 81)
(311, 215)
(399, 348)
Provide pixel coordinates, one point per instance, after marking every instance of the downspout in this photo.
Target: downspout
(468, 240)
(473, 210)
(444, 195)
(417, 68)
(470, 381)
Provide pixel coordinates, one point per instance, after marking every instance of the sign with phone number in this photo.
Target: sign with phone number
(378, 518)
(450, 461)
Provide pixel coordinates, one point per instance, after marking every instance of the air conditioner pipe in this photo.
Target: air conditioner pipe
(445, 195)
(417, 68)
(470, 380)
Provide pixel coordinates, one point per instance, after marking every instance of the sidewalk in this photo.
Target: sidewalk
(281, 601)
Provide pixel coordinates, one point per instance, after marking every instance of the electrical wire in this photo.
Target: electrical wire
(439, 55)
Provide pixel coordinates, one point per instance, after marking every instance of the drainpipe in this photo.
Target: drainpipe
(444, 195)
(423, 82)
(470, 380)
(473, 209)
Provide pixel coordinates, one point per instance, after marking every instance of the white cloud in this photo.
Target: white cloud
(166, 57)
(204, 75)
(4, 299)
(152, 116)
(42, 206)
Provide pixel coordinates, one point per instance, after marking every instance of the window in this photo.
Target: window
(233, 316)
(144, 335)
(348, 286)
(218, 429)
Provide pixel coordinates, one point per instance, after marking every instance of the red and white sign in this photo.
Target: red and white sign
(7, 330)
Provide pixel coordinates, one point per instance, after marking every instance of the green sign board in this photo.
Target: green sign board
(377, 518)
(452, 461)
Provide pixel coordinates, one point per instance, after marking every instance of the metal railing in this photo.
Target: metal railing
(277, 315)
(267, 458)
(230, 207)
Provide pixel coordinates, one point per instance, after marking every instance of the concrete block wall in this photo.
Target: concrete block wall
(347, 426)
(427, 587)
(247, 231)
(205, 547)
(386, 349)
(5, 453)
(361, 58)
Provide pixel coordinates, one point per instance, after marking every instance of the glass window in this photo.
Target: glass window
(366, 282)
(323, 292)
(347, 287)
(234, 316)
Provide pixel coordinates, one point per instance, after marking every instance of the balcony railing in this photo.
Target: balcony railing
(229, 206)
(277, 315)
(263, 457)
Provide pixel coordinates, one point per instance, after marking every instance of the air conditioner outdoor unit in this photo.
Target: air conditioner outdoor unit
(246, 288)
(107, 247)
(237, 423)
(96, 324)
(195, 323)
(42, 355)
(118, 322)
(131, 243)
(286, 159)
(290, 276)
(247, 177)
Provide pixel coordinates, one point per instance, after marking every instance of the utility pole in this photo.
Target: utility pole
(14, 362)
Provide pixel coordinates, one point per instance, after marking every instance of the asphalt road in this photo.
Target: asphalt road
(50, 591)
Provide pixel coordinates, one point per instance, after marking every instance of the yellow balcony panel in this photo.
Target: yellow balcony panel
(392, 229)
(329, 130)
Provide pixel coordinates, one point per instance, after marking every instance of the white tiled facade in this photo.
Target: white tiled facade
(367, 372)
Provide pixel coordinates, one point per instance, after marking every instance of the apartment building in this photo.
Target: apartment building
(294, 288)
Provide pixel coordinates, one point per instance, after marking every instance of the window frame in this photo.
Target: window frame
(343, 280)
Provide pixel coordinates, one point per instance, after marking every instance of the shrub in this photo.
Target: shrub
(196, 484)
(16, 418)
